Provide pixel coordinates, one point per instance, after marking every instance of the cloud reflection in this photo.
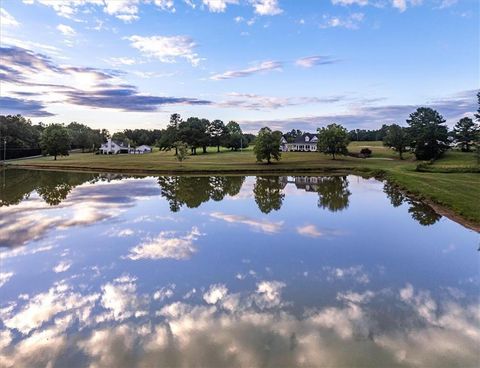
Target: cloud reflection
(264, 226)
(209, 334)
(166, 245)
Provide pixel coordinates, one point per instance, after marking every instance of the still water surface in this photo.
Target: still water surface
(116, 271)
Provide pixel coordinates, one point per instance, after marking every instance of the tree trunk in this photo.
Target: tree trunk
(401, 154)
(204, 149)
(55, 157)
(176, 151)
(218, 148)
(333, 154)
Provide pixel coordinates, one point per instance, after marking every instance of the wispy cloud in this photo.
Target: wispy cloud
(125, 10)
(350, 2)
(117, 61)
(311, 61)
(62, 266)
(66, 30)
(12, 106)
(98, 88)
(312, 231)
(4, 277)
(265, 226)
(7, 20)
(166, 49)
(256, 102)
(351, 21)
(452, 108)
(263, 67)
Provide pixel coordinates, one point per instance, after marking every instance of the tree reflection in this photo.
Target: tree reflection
(193, 191)
(396, 196)
(333, 193)
(420, 212)
(52, 187)
(423, 213)
(268, 192)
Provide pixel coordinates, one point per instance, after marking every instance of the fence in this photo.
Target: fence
(12, 153)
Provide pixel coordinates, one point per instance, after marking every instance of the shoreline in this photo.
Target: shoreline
(382, 175)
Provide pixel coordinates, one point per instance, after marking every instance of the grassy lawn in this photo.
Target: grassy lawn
(459, 192)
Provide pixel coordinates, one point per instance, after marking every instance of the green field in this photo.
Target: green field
(450, 182)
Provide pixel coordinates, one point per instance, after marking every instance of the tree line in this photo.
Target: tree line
(58, 139)
(202, 133)
(426, 136)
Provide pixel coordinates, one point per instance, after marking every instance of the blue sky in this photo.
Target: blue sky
(287, 64)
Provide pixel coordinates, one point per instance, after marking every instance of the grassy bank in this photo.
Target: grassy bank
(444, 183)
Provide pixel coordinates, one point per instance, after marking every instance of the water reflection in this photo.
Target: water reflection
(179, 191)
(117, 326)
(272, 271)
(268, 192)
(193, 191)
(420, 212)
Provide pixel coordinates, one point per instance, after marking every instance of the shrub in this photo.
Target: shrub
(366, 152)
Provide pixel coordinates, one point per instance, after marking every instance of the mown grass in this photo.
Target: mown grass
(457, 191)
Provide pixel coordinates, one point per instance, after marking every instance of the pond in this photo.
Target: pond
(110, 270)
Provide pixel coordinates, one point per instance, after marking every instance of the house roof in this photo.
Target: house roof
(302, 138)
(121, 144)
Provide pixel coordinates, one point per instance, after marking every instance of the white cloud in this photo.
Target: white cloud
(309, 230)
(400, 4)
(167, 49)
(218, 6)
(311, 61)
(265, 226)
(164, 293)
(166, 245)
(312, 231)
(62, 266)
(215, 293)
(7, 20)
(126, 10)
(66, 30)
(257, 102)
(116, 61)
(120, 298)
(268, 294)
(165, 5)
(4, 277)
(351, 21)
(44, 306)
(350, 2)
(266, 7)
(263, 67)
(355, 273)
(190, 3)
(447, 3)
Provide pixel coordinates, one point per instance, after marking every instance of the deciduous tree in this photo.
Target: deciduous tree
(55, 140)
(267, 145)
(333, 140)
(397, 138)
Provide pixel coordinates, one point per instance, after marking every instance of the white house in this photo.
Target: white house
(113, 148)
(307, 142)
(142, 149)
